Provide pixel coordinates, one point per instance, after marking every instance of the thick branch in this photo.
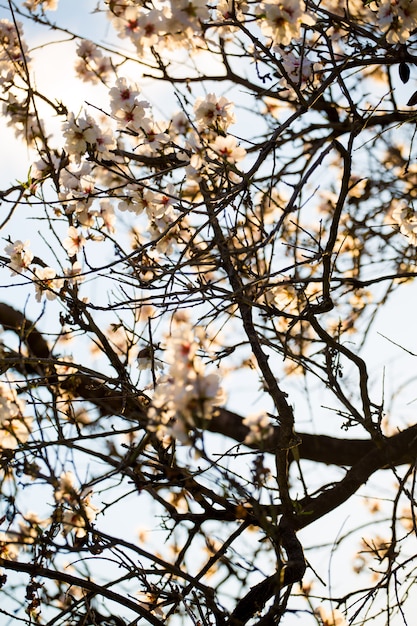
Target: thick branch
(317, 448)
(36, 571)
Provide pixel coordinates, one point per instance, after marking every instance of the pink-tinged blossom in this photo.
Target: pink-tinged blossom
(162, 231)
(92, 66)
(74, 242)
(15, 427)
(84, 134)
(214, 112)
(77, 188)
(398, 19)
(79, 133)
(125, 106)
(20, 256)
(330, 618)
(140, 25)
(73, 274)
(180, 125)
(45, 5)
(188, 394)
(161, 203)
(137, 198)
(299, 71)
(281, 21)
(188, 13)
(122, 96)
(153, 137)
(13, 48)
(406, 219)
(46, 283)
(77, 510)
(107, 215)
(227, 148)
(45, 165)
(225, 9)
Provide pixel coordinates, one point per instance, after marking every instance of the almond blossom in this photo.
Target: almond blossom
(78, 512)
(47, 283)
(15, 427)
(260, 428)
(92, 66)
(20, 256)
(74, 242)
(214, 112)
(397, 19)
(330, 618)
(83, 133)
(187, 395)
(406, 219)
(281, 21)
(125, 106)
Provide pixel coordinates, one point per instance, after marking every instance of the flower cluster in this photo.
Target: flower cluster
(299, 71)
(84, 134)
(214, 153)
(168, 24)
(126, 108)
(77, 511)
(406, 219)
(282, 21)
(15, 427)
(396, 19)
(45, 5)
(13, 50)
(47, 283)
(184, 399)
(20, 256)
(92, 65)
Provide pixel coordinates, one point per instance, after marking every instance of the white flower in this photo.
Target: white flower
(125, 106)
(84, 133)
(214, 112)
(406, 219)
(227, 148)
(47, 283)
(79, 133)
(78, 511)
(14, 426)
(47, 5)
(397, 19)
(20, 256)
(74, 242)
(92, 65)
(281, 21)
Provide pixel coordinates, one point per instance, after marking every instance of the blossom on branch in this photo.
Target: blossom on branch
(20, 256)
(185, 398)
(281, 21)
(15, 427)
(74, 242)
(406, 219)
(92, 66)
(46, 283)
(214, 112)
(78, 512)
